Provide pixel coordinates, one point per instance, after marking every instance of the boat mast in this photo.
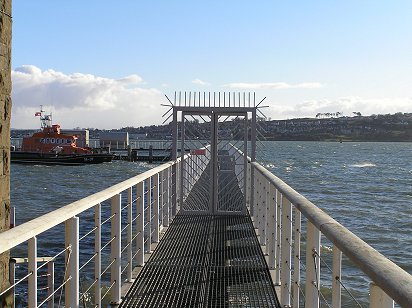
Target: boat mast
(45, 119)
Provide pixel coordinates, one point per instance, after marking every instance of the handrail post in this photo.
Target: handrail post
(140, 223)
(32, 268)
(72, 262)
(98, 257)
(312, 266)
(12, 277)
(278, 236)
(296, 258)
(286, 259)
(161, 197)
(271, 245)
(50, 283)
(156, 208)
(252, 199)
(129, 234)
(263, 211)
(258, 197)
(378, 298)
(336, 277)
(149, 215)
(248, 185)
(174, 185)
(175, 188)
(115, 249)
(166, 198)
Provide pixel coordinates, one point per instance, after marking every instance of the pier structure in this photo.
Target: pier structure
(211, 228)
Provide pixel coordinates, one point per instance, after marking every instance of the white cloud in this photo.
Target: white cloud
(83, 100)
(347, 105)
(87, 100)
(273, 85)
(200, 82)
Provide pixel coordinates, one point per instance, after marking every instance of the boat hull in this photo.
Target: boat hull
(35, 158)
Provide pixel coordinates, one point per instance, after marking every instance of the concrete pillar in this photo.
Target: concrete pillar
(5, 113)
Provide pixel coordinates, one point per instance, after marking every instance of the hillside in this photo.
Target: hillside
(395, 127)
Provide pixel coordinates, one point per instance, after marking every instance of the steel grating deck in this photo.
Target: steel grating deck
(205, 261)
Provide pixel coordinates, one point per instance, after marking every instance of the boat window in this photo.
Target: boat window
(68, 141)
(42, 140)
(47, 140)
(52, 140)
(57, 141)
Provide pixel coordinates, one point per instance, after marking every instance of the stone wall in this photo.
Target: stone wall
(5, 113)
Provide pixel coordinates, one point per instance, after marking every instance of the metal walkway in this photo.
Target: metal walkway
(205, 261)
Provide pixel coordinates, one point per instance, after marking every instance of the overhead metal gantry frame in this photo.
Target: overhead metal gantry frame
(215, 111)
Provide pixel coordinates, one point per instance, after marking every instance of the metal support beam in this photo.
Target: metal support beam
(286, 259)
(116, 250)
(156, 209)
(140, 223)
(98, 257)
(32, 267)
(72, 262)
(336, 277)
(312, 266)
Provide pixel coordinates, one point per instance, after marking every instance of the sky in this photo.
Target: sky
(109, 64)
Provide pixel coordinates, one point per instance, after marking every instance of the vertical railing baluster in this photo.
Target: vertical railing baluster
(336, 277)
(248, 185)
(296, 258)
(32, 268)
(271, 244)
(179, 203)
(156, 218)
(116, 249)
(149, 215)
(258, 201)
(268, 217)
(312, 266)
(192, 166)
(140, 223)
(252, 191)
(129, 234)
(166, 198)
(72, 262)
(12, 277)
(98, 257)
(161, 197)
(278, 236)
(263, 208)
(378, 298)
(286, 258)
(174, 186)
(50, 283)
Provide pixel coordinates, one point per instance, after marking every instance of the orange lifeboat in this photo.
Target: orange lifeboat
(51, 140)
(51, 147)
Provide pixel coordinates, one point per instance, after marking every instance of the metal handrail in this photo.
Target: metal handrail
(392, 279)
(22, 233)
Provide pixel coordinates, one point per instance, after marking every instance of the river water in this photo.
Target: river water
(367, 187)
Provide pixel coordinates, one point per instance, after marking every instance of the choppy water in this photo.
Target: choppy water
(365, 186)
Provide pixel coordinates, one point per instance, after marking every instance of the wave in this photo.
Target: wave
(363, 165)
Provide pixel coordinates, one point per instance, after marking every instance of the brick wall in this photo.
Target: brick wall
(5, 113)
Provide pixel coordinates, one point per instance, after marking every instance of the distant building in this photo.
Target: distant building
(83, 139)
(138, 136)
(114, 140)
